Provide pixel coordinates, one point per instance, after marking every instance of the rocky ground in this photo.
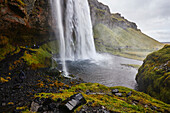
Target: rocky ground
(19, 89)
(34, 88)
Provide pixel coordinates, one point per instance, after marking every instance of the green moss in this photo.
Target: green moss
(41, 57)
(21, 2)
(101, 95)
(3, 80)
(154, 77)
(6, 50)
(132, 65)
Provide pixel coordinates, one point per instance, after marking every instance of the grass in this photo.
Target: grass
(132, 65)
(124, 42)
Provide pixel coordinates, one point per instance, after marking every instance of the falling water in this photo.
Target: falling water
(79, 34)
(76, 40)
(57, 13)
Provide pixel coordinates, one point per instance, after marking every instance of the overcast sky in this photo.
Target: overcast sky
(151, 16)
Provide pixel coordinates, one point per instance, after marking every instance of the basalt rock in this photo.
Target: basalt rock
(25, 21)
(100, 14)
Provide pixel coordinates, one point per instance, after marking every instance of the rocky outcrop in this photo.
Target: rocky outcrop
(101, 14)
(154, 75)
(25, 22)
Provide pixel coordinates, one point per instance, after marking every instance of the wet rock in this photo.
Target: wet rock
(3, 104)
(22, 75)
(129, 94)
(154, 108)
(72, 103)
(40, 109)
(34, 107)
(118, 94)
(37, 99)
(87, 92)
(59, 100)
(47, 101)
(115, 91)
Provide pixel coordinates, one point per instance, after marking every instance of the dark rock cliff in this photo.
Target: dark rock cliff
(25, 22)
(100, 13)
(29, 22)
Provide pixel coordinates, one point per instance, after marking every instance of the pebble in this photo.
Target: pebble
(118, 94)
(115, 91)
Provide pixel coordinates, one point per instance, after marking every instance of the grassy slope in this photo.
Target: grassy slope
(101, 95)
(124, 42)
(154, 77)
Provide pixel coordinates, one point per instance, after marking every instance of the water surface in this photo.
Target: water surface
(106, 69)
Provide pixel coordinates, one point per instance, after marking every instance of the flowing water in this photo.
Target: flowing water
(57, 14)
(75, 32)
(79, 34)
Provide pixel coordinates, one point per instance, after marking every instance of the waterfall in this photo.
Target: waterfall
(74, 30)
(79, 34)
(57, 14)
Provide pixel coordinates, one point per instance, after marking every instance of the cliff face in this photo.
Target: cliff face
(116, 35)
(154, 75)
(101, 14)
(24, 20)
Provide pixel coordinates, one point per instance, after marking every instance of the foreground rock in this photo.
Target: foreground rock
(101, 99)
(153, 76)
(49, 105)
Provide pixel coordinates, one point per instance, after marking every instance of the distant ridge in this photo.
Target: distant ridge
(116, 35)
(165, 42)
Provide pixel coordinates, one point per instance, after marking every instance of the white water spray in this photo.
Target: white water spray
(79, 34)
(76, 41)
(57, 14)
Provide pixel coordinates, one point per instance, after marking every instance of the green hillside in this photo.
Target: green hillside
(127, 42)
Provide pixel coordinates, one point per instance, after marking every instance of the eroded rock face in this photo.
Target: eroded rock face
(154, 75)
(101, 14)
(25, 21)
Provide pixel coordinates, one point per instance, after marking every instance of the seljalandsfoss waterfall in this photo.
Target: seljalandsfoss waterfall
(77, 49)
(75, 32)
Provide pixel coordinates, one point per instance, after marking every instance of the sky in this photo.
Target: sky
(151, 16)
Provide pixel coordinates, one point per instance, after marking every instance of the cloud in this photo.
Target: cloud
(150, 15)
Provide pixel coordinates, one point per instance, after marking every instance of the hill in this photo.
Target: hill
(116, 35)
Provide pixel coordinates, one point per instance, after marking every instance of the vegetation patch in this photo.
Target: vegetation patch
(100, 95)
(132, 65)
(40, 57)
(124, 42)
(154, 75)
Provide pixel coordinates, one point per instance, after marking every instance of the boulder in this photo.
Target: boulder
(72, 103)
(115, 91)
(119, 94)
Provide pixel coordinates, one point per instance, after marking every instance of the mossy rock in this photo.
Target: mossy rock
(3, 41)
(100, 95)
(42, 56)
(154, 75)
